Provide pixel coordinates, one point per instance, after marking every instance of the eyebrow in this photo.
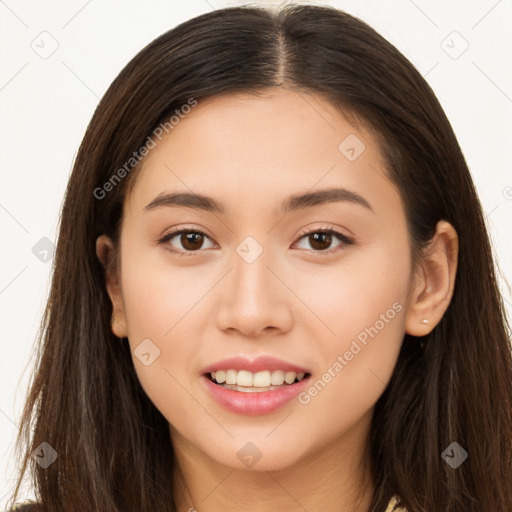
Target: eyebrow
(293, 203)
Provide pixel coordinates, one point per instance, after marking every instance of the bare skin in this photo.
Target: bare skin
(298, 301)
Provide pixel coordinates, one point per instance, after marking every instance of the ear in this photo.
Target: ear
(434, 281)
(105, 253)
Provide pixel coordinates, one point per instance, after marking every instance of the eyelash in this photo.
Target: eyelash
(346, 240)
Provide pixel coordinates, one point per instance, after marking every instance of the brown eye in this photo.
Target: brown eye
(191, 241)
(188, 241)
(320, 241)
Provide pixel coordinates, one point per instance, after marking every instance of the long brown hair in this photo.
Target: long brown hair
(85, 401)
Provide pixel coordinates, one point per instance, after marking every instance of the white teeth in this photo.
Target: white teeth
(231, 377)
(235, 379)
(277, 377)
(261, 379)
(220, 376)
(289, 377)
(244, 378)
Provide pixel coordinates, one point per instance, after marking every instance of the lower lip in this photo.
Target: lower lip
(255, 403)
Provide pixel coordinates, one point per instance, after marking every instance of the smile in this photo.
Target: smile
(249, 382)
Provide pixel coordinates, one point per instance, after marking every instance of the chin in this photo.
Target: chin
(257, 457)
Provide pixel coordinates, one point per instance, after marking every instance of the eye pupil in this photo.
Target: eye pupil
(318, 238)
(187, 238)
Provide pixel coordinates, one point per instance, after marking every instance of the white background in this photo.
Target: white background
(46, 103)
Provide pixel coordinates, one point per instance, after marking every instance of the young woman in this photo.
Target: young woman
(273, 287)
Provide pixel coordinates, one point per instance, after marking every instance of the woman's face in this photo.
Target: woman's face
(265, 283)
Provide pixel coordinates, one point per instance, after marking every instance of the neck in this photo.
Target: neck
(333, 478)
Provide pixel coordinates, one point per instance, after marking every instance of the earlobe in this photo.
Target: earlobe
(105, 253)
(432, 288)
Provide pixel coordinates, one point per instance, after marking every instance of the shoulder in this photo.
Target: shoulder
(393, 506)
(27, 507)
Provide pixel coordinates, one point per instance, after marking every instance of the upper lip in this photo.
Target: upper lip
(258, 364)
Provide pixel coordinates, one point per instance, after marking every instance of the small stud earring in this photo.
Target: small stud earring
(113, 320)
(426, 321)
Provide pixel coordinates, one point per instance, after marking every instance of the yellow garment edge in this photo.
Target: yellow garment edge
(392, 504)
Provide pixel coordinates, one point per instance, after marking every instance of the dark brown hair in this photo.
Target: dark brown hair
(113, 445)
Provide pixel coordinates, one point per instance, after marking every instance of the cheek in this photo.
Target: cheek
(160, 298)
(361, 306)
(163, 316)
(163, 313)
(364, 293)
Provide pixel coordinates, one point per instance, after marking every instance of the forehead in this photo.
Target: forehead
(258, 148)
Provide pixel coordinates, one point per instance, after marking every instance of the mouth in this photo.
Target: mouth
(255, 382)
(254, 386)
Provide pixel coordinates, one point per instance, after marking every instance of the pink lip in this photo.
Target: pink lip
(253, 404)
(259, 364)
(258, 403)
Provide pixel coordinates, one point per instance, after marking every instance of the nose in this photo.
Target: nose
(254, 300)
